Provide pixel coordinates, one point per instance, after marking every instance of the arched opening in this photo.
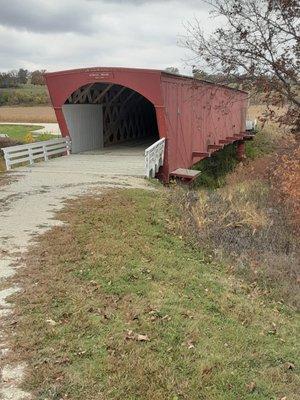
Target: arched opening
(102, 115)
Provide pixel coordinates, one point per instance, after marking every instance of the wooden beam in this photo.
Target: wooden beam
(116, 96)
(214, 147)
(239, 135)
(225, 141)
(231, 138)
(186, 174)
(83, 93)
(128, 98)
(76, 94)
(122, 113)
(200, 154)
(102, 94)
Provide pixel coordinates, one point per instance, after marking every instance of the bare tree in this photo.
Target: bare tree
(259, 44)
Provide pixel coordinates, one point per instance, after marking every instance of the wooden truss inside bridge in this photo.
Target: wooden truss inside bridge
(127, 115)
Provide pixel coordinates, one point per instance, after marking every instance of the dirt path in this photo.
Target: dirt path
(27, 209)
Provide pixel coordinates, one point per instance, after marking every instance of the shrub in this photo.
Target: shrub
(24, 96)
(29, 138)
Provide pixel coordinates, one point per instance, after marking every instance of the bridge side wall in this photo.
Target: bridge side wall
(199, 114)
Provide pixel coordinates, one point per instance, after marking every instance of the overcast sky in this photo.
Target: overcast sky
(60, 34)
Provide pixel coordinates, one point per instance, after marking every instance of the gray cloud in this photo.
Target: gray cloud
(47, 15)
(58, 34)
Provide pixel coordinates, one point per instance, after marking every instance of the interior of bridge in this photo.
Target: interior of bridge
(105, 115)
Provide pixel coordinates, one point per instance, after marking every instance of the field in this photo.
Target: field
(27, 114)
(27, 95)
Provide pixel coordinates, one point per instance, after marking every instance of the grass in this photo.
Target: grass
(19, 132)
(215, 168)
(118, 305)
(27, 114)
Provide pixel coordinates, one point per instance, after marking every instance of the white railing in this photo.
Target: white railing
(251, 125)
(28, 153)
(154, 157)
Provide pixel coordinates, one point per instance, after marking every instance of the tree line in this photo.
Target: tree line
(14, 78)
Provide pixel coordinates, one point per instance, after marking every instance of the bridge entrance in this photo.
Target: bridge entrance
(101, 116)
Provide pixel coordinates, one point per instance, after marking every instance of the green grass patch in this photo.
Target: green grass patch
(117, 305)
(215, 168)
(19, 132)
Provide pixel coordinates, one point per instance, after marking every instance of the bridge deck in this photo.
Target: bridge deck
(122, 160)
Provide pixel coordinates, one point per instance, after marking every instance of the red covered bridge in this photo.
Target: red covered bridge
(185, 119)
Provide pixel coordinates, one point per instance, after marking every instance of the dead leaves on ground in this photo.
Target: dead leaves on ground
(130, 335)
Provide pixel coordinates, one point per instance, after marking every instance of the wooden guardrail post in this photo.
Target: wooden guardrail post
(31, 161)
(45, 153)
(6, 159)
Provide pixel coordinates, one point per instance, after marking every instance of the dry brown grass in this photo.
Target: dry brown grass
(258, 112)
(253, 222)
(27, 114)
(285, 178)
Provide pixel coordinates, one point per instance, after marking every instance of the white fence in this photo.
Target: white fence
(251, 125)
(28, 153)
(154, 157)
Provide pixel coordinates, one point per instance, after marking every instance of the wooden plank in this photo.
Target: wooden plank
(200, 154)
(225, 141)
(184, 173)
(59, 151)
(214, 147)
(231, 138)
(55, 148)
(19, 160)
(36, 156)
(18, 154)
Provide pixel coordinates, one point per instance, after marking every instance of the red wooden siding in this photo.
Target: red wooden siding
(191, 114)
